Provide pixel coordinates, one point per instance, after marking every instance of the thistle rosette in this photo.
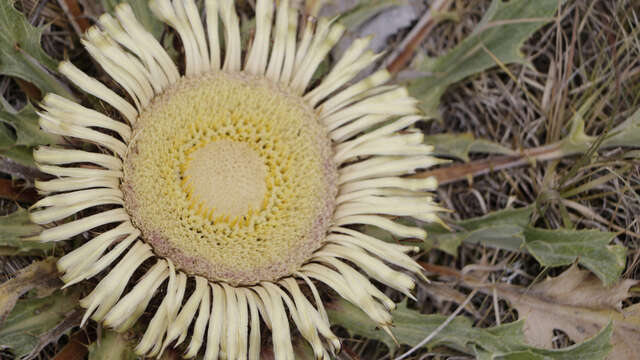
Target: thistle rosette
(230, 191)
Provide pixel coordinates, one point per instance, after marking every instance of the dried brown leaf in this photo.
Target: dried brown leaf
(76, 17)
(41, 275)
(577, 303)
(75, 348)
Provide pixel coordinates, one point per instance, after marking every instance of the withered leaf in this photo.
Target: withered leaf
(40, 275)
(577, 303)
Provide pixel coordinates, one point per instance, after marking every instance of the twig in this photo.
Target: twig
(450, 174)
(403, 53)
(352, 355)
(20, 171)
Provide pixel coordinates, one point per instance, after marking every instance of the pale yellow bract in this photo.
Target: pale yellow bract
(230, 190)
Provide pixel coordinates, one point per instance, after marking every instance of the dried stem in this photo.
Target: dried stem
(450, 174)
(15, 169)
(401, 56)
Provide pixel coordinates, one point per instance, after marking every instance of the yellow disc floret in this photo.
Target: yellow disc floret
(231, 177)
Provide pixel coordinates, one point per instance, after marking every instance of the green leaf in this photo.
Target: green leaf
(21, 54)
(112, 346)
(500, 342)
(365, 10)
(596, 348)
(590, 247)
(501, 33)
(143, 14)
(21, 154)
(411, 327)
(509, 229)
(33, 322)
(459, 145)
(17, 225)
(577, 141)
(516, 355)
(25, 124)
(7, 139)
(625, 134)
(502, 229)
(17, 144)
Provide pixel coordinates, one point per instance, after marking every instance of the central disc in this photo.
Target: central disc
(226, 178)
(231, 178)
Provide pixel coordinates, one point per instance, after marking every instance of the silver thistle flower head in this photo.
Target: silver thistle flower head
(241, 179)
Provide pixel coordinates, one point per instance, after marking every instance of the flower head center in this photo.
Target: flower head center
(231, 177)
(225, 180)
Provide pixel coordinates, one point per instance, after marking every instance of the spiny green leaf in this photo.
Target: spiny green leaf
(501, 33)
(411, 327)
(17, 225)
(516, 355)
(20, 154)
(596, 348)
(459, 145)
(509, 229)
(590, 247)
(112, 346)
(25, 124)
(143, 14)
(21, 54)
(32, 321)
(24, 34)
(17, 144)
(502, 229)
(499, 342)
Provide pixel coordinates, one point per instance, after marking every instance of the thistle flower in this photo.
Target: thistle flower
(242, 180)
